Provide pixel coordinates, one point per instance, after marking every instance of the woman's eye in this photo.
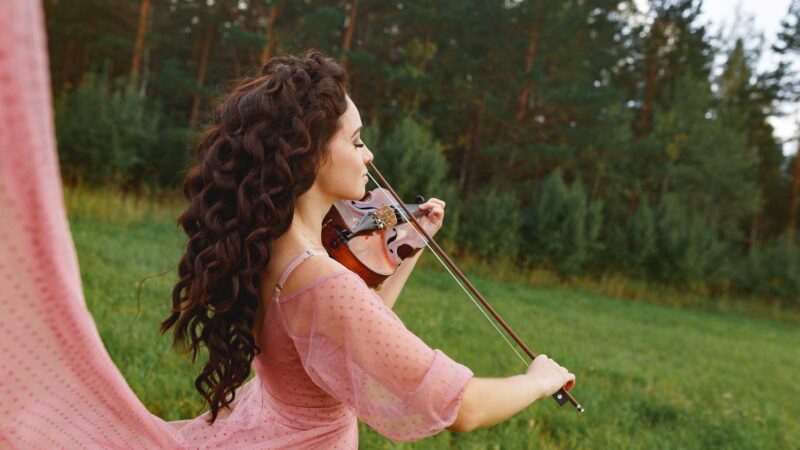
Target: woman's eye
(359, 145)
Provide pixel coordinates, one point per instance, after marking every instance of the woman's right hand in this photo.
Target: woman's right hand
(549, 376)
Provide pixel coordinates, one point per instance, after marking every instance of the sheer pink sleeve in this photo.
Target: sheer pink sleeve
(357, 350)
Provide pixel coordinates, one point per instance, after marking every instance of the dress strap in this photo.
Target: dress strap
(288, 270)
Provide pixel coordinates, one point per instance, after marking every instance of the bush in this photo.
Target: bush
(641, 240)
(490, 226)
(771, 269)
(562, 228)
(105, 134)
(687, 248)
(413, 161)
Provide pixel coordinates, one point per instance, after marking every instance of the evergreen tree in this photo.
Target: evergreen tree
(747, 101)
(491, 224)
(642, 240)
(789, 45)
(105, 133)
(705, 164)
(688, 250)
(561, 228)
(591, 117)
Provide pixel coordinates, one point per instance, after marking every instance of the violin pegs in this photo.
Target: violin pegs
(420, 199)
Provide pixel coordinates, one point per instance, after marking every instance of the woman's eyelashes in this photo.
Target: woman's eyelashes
(359, 145)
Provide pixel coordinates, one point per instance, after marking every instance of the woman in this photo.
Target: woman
(283, 149)
(254, 285)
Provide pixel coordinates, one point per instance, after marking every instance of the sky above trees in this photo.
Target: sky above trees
(757, 16)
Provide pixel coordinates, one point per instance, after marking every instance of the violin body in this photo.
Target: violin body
(371, 237)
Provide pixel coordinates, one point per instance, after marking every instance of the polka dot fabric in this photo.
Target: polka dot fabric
(355, 350)
(332, 352)
(59, 388)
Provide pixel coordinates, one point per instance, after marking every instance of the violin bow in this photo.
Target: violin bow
(562, 396)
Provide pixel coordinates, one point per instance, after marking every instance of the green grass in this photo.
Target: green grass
(650, 376)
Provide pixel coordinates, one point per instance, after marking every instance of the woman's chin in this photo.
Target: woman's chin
(355, 195)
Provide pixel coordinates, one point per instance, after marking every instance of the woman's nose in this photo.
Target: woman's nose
(367, 156)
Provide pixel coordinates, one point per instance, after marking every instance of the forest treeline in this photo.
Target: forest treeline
(580, 136)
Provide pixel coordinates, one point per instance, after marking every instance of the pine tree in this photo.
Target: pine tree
(561, 228)
(788, 45)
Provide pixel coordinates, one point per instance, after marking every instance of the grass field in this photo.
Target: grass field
(649, 376)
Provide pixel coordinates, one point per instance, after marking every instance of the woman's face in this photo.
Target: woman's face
(343, 175)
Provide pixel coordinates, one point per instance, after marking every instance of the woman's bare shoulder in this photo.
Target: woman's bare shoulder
(311, 271)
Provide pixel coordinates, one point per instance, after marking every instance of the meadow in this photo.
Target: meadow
(650, 375)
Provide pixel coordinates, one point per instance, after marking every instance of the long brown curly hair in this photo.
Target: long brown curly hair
(268, 139)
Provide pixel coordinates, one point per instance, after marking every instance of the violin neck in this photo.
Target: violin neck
(413, 208)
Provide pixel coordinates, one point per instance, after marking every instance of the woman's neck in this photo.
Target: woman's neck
(309, 211)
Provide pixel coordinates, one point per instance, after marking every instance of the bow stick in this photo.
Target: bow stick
(562, 396)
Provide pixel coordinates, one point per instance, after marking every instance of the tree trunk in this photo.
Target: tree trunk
(145, 72)
(422, 67)
(633, 202)
(795, 187)
(755, 223)
(84, 65)
(647, 104)
(237, 65)
(269, 46)
(151, 25)
(651, 75)
(141, 31)
(473, 144)
(201, 75)
(348, 33)
(522, 100)
(68, 60)
(598, 175)
(85, 61)
(428, 35)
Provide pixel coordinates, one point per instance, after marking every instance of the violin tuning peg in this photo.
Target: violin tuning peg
(420, 199)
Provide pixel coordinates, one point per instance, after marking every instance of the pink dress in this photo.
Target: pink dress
(331, 352)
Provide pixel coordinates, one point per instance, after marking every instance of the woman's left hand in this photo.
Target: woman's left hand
(434, 209)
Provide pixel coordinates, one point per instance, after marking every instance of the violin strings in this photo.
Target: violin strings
(460, 284)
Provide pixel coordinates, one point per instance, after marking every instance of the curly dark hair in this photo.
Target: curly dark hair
(268, 139)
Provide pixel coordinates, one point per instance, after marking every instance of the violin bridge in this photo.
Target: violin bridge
(386, 216)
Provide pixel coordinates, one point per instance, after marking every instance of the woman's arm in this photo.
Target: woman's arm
(430, 222)
(394, 283)
(488, 401)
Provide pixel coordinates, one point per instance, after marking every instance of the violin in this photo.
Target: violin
(372, 237)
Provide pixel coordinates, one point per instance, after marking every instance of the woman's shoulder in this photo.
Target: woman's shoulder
(311, 273)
